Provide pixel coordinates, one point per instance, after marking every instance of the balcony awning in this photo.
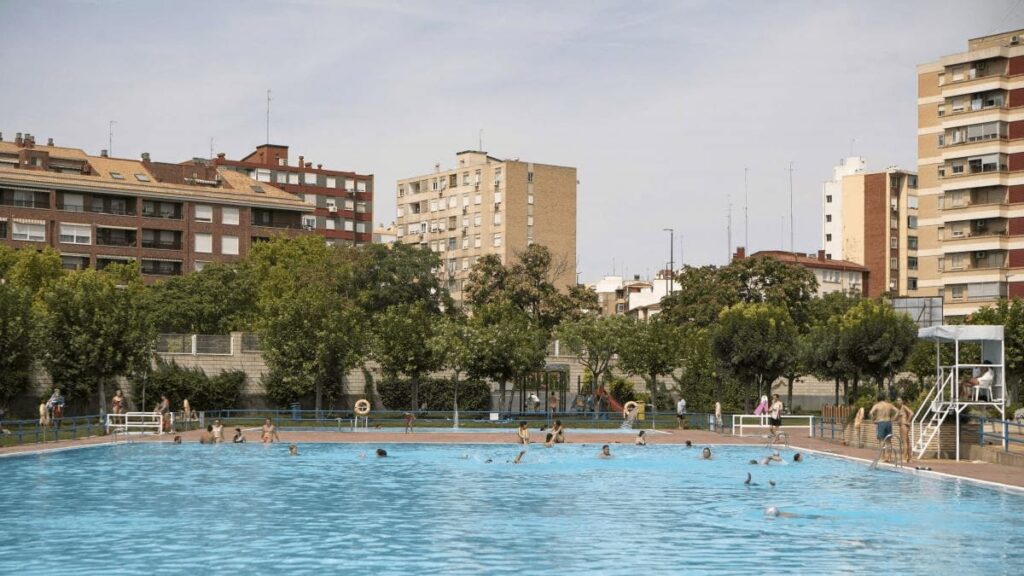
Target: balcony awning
(161, 260)
(29, 221)
(951, 333)
(133, 228)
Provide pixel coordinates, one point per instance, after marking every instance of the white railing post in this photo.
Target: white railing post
(195, 344)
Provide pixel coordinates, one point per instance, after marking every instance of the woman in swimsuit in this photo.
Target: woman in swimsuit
(117, 403)
(269, 433)
(524, 433)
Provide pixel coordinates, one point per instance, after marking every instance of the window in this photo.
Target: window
(911, 242)
(465, 178)
(476, 241)
(361, 207)
(309, 222)
(828, 217)
(360, 227)
(229, 216)
(282, 177)
(3, 229)
(476, 199)
(912, 263)
(941, 171)
(350, 205)
(465, 200)
(453, 180)
(529, 220)
(331, 224)
(350, 185)
(893, 264)
(529, 199)
(911, 283)
(465, 263)
(433, 205)
(453, 202)
(828, 237)
(76, 233)
(74, 203)
(912, 222)
(476, 177)
(496, 240)
(309, 178)
(28, 231)
(117, 176)
(497, 197)
(497, 218)
(293, 178)
(350, 226)
(361, 186)
(476, 219)
(204, 213)
(465, 242)
(957, 292)
(912, 202)
(434, 184)
(529, 176)
(894, 243)
(828, 198)
(142, 177)
(262, 175)
(941, 110)
(452, 243)
(942, 140)
(204, 244)
(331, 182)
(229, 245)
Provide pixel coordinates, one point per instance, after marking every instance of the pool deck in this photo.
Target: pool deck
(978, 471)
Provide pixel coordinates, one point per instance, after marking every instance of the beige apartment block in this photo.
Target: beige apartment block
(971, 183)
(489, 206)
(871, 219)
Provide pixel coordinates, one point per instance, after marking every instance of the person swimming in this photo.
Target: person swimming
(549, 440)
(641, 440)
(798, 457)
(689, 444)
(605, 452)
(705, 454)
(749, 481)
(519, 458)
(382, 453)
(293, 449)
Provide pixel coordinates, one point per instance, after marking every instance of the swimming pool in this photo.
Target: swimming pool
(427, 508)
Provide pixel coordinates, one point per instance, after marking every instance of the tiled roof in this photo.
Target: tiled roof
(808, 261)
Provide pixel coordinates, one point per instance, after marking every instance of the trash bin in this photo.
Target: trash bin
(296, 409)
(641, 409)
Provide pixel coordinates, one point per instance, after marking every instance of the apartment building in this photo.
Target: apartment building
(871, 219)
(342, 201)
(832, 275)
(970, 162)
(171, 218)
(489, 206)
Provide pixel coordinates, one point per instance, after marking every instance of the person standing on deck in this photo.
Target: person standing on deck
(882, 413)
(775, 415)
(681, 413)
(903, 418)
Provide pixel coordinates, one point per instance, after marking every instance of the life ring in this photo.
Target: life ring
(630, 406)
(362, 407)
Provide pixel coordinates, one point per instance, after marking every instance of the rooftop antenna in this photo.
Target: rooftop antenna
(211, 147)
(480, 140)
(746, 207)
(791, 206)
(728, 230)
(110, 137)
(268, 116)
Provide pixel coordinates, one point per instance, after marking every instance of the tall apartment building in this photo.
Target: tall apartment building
(490, 206)
(970, 157)
(342, 200)
(171, 218)
(871, 219)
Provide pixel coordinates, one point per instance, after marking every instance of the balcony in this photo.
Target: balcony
(161, 268)
(962, 73)
(99, 208)
(988, 196)
(988, 163)
(22, 199)
(977, 260)
(168, 210)
(973, 229)
(276, 219)
(116, 237)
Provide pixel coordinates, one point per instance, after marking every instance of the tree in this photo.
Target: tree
(311, 329)
(876, 339)
(385, 276)
(753, 343)
(594, 340)
(651, 349)
(218, 299)
(1009, 314)
(505, 343)
(402, 338)
(528, 284)
(93, 329)
(450, 346)
(16, 351)
(32, 270)
(706, 291)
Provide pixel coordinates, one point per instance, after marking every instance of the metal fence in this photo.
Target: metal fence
(16, 432)
(1007, 433)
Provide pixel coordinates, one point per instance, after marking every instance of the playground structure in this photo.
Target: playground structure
(945, 400)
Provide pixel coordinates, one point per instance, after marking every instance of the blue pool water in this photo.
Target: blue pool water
(442, 509)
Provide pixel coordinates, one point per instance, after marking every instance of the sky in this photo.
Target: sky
(662, 107)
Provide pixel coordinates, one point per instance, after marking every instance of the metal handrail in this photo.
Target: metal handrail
(1004, 438)
(738, 422)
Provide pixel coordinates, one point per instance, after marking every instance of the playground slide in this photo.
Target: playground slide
(613, 404)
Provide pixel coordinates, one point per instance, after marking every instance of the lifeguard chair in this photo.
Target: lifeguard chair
(944, 399)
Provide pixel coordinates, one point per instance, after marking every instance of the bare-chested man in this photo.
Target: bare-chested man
(882, 413)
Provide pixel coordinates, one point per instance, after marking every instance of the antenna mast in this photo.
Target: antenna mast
(110, 137)
(791, 206)
(746, 216)
(728, 230)
(268, 116)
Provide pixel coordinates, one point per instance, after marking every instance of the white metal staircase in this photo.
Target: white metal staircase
(937, 406)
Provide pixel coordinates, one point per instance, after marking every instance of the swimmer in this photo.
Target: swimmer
(239, 437)
(606, 452)
(177, 439)
(705, 454)
(771, 483)
(773, 512)
(382, 453)
(689, 444)
(549, 440)
(749, 481)
(798, 457)
(207, 437)
(641, 440)
(519, 458)
(293, 449)
(752, 462)
(488, 461)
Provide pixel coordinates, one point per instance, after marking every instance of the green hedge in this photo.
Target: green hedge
(435, 394)
(203, 392)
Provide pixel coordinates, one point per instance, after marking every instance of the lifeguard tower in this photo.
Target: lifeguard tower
(944, 400)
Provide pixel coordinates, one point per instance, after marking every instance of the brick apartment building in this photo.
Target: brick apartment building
(832, 275)
(490, 206)
(171, 218)
(342, 201)
(971, 167)
(871, 219)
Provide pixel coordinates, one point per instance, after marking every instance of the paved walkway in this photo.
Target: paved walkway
(985, 472)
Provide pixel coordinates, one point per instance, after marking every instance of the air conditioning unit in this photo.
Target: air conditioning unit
(332, 209)
(1014, 40)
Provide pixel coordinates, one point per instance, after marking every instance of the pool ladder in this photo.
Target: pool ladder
(895, 454)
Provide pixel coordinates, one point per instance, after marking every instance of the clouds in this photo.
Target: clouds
(660, 105)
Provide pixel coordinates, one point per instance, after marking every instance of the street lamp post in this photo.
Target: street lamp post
(671, 257)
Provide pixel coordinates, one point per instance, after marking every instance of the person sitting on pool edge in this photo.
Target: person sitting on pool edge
(239, 437)
(606, 452)
(269, 432)
(559, 432)
(705, 454)
(523, 433)
(641, 440)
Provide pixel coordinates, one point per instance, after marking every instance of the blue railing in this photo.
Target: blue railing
(67, 428)
(1004, 438)
(829, 428)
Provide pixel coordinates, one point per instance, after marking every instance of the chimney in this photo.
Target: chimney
(319, 166)
(821, 255)
(309, 164)
(103, 153)
(30, 140)
(740, 254)
(301, 160)
(221, 155)
(636, 277)
(18, 140)
(145, 157)
(49, 142)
